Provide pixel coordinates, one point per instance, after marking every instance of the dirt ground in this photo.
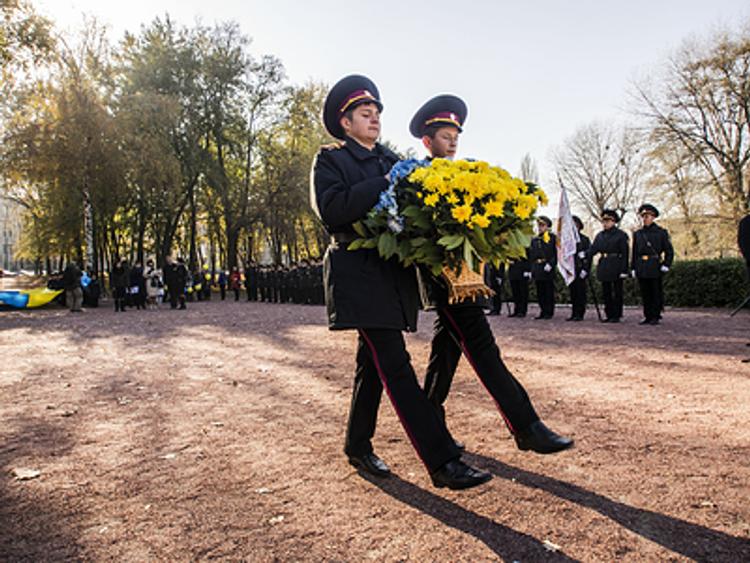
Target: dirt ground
(216, 433)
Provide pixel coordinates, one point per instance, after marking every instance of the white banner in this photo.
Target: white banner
(567, 238)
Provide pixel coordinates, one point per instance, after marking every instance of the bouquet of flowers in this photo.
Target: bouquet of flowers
(450, 216)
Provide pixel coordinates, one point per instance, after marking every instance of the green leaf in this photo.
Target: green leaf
(451, 241)
(469, 253)
(370, 243)
(387, 245)
(411, 211)
(356, 244)
(359, 228)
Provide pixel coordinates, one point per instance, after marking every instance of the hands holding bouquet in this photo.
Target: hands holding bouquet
(450, 216)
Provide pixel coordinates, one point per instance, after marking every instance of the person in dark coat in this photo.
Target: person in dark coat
(612, 268)
(119, 278)
(578, 285)
(543, 258)
(743, 240)
(495, 278)
(176, 276)
(462, 327)
(72, 282)
(222, 281)
(652, 257)
(377, 297)
(519, 274)
(137, 287)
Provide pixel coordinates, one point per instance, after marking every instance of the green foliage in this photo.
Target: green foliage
(719, 282)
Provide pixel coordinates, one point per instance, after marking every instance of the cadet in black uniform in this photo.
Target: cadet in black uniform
(578, 285)
(462, 327)
(652, 258)
(494, 278)
(519, 274)
(612, 244)
(377, 297)
(543, 258)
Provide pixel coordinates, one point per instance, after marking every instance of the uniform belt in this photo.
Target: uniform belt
(645, 257)
(344, 237)
(606, 254)
(540, 260)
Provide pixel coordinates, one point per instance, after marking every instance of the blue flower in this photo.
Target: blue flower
(405, 167)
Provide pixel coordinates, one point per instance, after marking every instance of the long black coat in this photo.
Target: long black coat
(612, 244)
(582, 257)
(540, 254)
(651, 250)
(362, 290)
(517, 268)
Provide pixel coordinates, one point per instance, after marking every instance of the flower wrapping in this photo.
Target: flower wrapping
(451, 215)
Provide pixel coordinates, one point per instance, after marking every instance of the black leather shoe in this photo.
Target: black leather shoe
(457, 475)
(540, 439)
(645, 322)
(370, 463)
(653, 322)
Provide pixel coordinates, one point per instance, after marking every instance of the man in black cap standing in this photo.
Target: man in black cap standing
(612, 244)
(543, 258)
(462, 327)
(652, 258)
(377, 297)
(578, 286)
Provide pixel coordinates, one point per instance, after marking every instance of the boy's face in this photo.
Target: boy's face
(444, 144)
(364, 124)
(648, 218)
(541, 227)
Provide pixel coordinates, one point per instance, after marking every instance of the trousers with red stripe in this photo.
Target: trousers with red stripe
(464, 329)
(384, 363)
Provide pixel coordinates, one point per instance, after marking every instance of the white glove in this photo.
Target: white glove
(527, 274)
(623, 276)
(582, 254)
(583, 274)
(499, 281)
(632, 273)
(547, 268)
(665, 269)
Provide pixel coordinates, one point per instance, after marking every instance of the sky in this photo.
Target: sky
(530, 72)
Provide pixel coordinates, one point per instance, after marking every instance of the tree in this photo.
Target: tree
(601, 166)
(529, 171)
(703, 104)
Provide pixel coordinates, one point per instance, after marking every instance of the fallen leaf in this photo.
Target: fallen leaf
(276, 520)
(549, 546)
(25, 474)
(263, 491)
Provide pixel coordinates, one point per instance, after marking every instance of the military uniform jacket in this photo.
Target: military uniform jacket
(582, 257)
(362, 290)
(540, 254)
(651, 250)
(743, 238)
(613, 245)
(517, 268)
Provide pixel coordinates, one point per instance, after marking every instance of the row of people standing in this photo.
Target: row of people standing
(648, 258)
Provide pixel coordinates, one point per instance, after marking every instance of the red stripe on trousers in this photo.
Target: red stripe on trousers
(462, 343)
(382, 377)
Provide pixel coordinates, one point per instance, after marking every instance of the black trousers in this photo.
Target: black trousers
(520, 291)
(578, 297)
(612, 291)
(383, 362)
(545, 292)
(465, 329)
(223, 290)
(496, 301)
(652, 297)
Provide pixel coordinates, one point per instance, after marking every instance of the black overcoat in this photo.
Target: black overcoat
(517, 268)
(540, 254)
(582, 247)
(362, 290)
(612, 244)
(651, 250)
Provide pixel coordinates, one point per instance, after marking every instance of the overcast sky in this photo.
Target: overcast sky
(531, 72)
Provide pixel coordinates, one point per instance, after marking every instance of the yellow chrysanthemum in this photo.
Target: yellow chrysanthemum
(452, 199)
(461, 213)
(481, 221)
(493, 208)
(431, 200)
